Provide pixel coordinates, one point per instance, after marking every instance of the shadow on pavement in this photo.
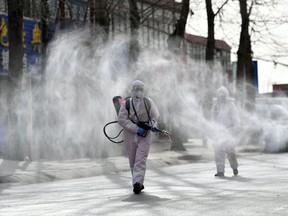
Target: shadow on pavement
(190, 157)
(7, 170)
(237, 178)
(144, 197)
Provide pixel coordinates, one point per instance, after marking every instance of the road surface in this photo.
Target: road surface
(260, 189)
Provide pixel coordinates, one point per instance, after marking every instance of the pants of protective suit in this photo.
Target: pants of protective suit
(222, 148)
(137, 149)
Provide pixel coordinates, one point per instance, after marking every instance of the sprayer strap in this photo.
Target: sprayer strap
(134, 110)
(127, 104)
(148, 111)
(146, 103)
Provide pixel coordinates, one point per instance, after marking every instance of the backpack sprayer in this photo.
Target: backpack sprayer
(117, 101)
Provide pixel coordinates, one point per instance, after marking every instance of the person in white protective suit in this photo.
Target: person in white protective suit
(136, 139)
(226, 115)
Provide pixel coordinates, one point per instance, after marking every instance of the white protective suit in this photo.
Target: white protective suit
(137, 146)
(226, 115)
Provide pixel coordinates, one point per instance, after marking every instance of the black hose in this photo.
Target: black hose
(112, 138)
(116, 122)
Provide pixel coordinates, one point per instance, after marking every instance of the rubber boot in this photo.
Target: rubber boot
(219, 174)
(137, 188)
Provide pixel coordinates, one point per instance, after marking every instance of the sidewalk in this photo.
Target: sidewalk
(26, 172)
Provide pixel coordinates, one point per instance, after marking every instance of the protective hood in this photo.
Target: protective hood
(222, 94)
(138, 89)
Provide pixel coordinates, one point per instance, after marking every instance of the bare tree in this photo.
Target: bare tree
(99, 14)
(265, 31)
(245, 74)
(210, 47)
(174, 43)
(174, 39)
(258, 31)
(134, 24)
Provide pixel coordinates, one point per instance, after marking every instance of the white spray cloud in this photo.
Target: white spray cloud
(64, 115)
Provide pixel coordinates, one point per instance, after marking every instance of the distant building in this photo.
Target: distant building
(280, 87)
(158, 19)
(196, 49)
(280, 90)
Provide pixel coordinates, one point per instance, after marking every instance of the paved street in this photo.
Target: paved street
(189, 189)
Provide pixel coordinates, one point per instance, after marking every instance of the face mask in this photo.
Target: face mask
(139, 94)
(221, 97)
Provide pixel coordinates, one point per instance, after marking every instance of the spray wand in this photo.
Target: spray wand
(112, 139)
(162, 131)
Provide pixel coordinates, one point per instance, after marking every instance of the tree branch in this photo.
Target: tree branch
(219, 9)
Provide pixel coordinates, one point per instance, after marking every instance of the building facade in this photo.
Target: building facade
(157, 22)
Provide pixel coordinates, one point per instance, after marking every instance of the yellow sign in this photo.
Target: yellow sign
(23, 39)
(36, 35)
(3, 33)
(36, 38)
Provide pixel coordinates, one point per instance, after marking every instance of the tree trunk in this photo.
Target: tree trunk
(92, 13)
(245, 73)
(174, 43)
(17, 149)
(210, 51)
(15, 34)
(134, 25)
(45, 32)
(102, 15)
(174, 39)
(99, 16)
(62, 13)
(44, 18)
(210, 47)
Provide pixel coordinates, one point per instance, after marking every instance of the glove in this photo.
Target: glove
(154, 129)
(141, 131)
